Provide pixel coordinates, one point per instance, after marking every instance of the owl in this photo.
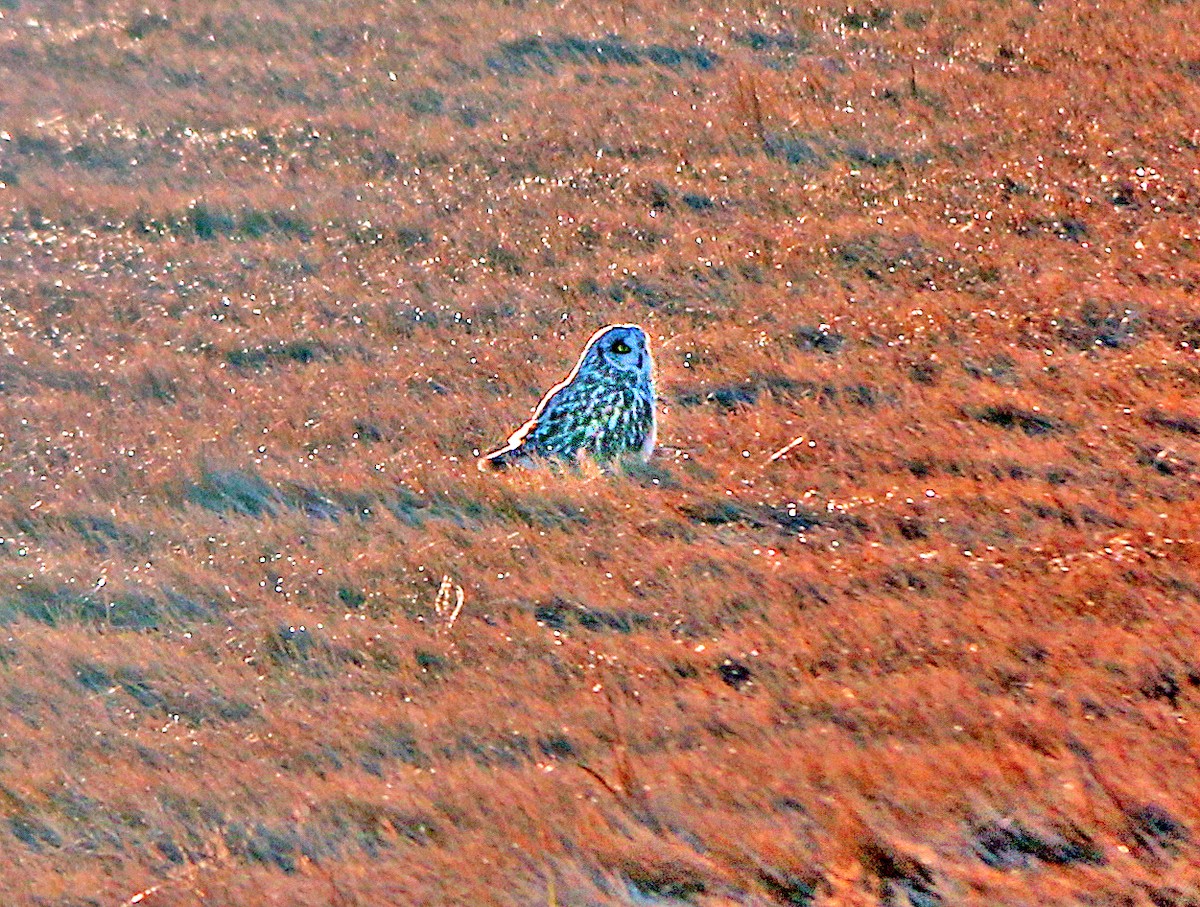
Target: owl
(604, 408)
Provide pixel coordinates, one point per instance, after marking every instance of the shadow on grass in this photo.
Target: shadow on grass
(1030, 422)
(243, 492)
(787, 518)
(747, 393)
(259, 357)
(559, 614)
(534, 54)
(193, 707)
(1011, 844)
(58, 605)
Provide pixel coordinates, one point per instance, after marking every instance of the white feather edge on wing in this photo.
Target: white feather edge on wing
(651, 436)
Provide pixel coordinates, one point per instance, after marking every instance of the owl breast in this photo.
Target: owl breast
(606, 419)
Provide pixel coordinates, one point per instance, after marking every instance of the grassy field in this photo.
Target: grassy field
(906, 609)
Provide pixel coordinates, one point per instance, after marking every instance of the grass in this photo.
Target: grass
(903, 611)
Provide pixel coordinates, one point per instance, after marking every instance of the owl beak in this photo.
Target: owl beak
(641, 360)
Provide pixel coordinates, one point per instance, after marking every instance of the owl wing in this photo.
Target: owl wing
(560, 427)
(554, 430)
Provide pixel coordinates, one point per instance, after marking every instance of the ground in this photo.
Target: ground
(906, 608)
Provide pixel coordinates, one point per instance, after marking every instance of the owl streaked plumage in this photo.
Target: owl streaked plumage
(604, 408)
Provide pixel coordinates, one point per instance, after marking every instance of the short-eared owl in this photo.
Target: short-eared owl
(604, 408)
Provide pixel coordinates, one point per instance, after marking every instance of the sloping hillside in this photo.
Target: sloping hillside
(904, 611)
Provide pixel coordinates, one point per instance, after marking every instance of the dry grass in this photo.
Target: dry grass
(272, 274)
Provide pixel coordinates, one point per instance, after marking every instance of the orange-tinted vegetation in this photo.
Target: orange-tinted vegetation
(904, 611)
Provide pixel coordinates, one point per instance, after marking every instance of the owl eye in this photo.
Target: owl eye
(621, 347)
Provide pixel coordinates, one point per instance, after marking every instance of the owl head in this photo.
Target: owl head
(620, 348)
